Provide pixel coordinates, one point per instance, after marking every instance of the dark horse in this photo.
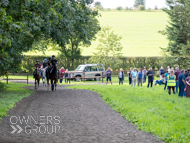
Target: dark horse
(54, 77)
(37, 77)
(48, 77)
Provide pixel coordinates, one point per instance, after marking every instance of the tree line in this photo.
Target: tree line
(26, 24)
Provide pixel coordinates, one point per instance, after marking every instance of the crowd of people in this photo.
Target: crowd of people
(175, 80)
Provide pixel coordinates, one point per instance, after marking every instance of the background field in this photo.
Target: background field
(138, 29)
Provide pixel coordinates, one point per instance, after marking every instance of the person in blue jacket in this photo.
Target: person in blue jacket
(181, 80)
(140, 77)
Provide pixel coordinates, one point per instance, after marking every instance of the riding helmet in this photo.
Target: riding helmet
(45, 60)
(37, 60)
(50, 58)
(53, 56)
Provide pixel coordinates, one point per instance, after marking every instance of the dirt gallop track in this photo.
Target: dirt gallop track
(74, 116)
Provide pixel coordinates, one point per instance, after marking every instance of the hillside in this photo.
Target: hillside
(138, 29)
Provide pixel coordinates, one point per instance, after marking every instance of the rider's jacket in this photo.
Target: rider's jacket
(53, 62)
(44, 65)
(38, 65)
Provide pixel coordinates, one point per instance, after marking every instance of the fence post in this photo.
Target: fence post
(27, 78)
(102, 77)
(7, 79)
(69, 78)
(83, 76)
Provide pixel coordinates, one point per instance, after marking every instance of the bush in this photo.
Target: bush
(3, 86)
(141, 8)
(127, 8)
(149, 10)
(119, 8)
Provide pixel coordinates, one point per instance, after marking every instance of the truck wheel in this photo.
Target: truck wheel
(97, 79)
(77, 78)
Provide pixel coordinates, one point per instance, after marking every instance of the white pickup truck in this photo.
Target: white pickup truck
(89, 71)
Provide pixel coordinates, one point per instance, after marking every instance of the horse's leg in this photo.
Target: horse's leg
(35, 83)
(55, 83)
(45, 81)
(38, 82)
(52, 86)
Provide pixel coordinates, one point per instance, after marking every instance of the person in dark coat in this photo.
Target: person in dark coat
(177, 72)
(130, 76)
(187, 88)
(187, 73)
(181, 80)
(108, 73)
(161, 72)
(150, 75)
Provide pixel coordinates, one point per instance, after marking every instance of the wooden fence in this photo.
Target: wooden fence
(82, 78)
(24, 74)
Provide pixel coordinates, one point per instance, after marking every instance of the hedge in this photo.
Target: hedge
(127, 62)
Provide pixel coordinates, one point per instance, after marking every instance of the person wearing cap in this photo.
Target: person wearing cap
(121, 76)
(144, 74)
(37, 65)
(134, 77)
(44, 64)
(53, 63)
(150, 75)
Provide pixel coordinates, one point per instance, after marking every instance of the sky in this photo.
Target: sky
(130, 3)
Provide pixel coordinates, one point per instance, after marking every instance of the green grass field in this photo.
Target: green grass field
(10, 96)
(138, 29)
(150, 109)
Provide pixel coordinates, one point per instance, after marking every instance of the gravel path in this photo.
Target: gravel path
(68, 116)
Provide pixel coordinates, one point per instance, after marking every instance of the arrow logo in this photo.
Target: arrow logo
(15, 129)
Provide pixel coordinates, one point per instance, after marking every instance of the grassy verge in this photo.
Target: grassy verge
(30, 77)
(150, 109)
(13, 93)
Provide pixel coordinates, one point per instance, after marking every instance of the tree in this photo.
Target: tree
(119, 8)
(109, 49)
(178, 29)
(156, 7)
(98, 5)
(139, 2)
(141, 8)
(84, 30)
(26, 23)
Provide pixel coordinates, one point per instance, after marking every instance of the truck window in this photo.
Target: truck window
(87, 69)
(94, 68)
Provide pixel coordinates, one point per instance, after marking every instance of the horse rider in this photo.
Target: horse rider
(45, 64)
(37, 65)
(53, 63)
